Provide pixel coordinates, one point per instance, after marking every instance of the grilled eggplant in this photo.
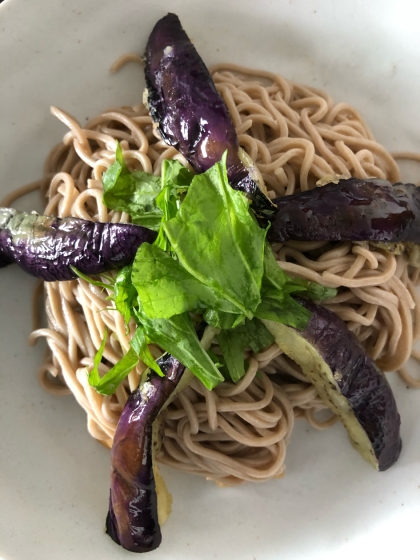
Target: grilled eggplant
(132, 519)
(351, 210)
(47, 247)
(190, 113)
(347, 380)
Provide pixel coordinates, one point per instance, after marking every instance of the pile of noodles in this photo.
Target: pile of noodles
(297, 136)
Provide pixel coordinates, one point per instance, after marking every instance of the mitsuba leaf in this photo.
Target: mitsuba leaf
(223, 320)
(139, 343)
(233, 353)
(132, 192)
(216, 359)
(274, 277)
(90, 280)
(125, 294)
(218, 241)
(178, 337)
(276, 289)
(255, 334)
(314, 291)
(107, 384)
(138, 350)
(166, 288)
(176, 174)
(288, 312)
(217, 263)
(147, 198)
(176, 178)
(167, 201)
(233, 342)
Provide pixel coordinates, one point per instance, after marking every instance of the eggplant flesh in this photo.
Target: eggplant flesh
(132, 519)
(350, 210)
(189, 111)
(47, 247)
(347, 380)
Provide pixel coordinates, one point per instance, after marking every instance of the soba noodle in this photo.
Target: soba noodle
(297, 136)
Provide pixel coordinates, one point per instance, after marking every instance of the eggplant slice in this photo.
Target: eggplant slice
(352, 210)
(347, 380)
(47, 247)
(189, 111)
(134, 512)
(132, 519)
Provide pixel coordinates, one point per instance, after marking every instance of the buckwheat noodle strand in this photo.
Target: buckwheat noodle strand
(297, 136)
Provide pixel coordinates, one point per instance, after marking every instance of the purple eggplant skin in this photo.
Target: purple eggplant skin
(351, 384)
(359, 380)
(47, 247)
(190, 113)
(351, 210)
(132, 519)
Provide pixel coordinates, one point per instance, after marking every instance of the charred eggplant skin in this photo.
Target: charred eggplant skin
(190, 113)
(47, 247)
(132, 519)
(351, 384)
(350, 210)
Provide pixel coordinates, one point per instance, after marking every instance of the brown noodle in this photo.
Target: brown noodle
(297, 136)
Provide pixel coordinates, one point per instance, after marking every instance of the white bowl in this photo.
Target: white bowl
(55, 478)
